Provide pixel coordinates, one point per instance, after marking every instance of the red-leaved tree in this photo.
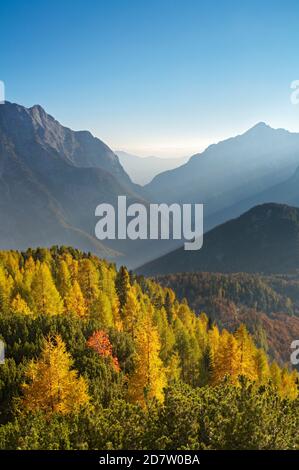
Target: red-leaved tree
(100, 343)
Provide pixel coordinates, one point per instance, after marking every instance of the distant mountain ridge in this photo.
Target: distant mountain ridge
(143, 169)
(231, 171)
(263, 240)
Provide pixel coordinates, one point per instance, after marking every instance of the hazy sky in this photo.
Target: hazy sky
(154, 77)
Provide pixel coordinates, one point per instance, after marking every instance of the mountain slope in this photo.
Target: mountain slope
(52, 179)
(264, 239)
(143, 170)
(286, 192)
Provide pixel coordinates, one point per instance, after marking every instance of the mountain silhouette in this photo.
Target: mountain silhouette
(231, 171)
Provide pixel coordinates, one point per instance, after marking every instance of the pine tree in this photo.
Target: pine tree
(122, 285)
(45, 296)
(207, 367)
(168, 305)
(166, 334)
(51, 385)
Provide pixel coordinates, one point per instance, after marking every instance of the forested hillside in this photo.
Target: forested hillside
(99, 359)
(267, 305)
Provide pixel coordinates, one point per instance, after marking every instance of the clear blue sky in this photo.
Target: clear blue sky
(165, 77)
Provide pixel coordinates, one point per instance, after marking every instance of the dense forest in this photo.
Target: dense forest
(97, 358)
(267, 305)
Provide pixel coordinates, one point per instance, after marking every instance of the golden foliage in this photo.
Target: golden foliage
(52, 386)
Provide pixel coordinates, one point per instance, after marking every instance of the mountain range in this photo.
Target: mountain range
(231, 173)
(52, 178)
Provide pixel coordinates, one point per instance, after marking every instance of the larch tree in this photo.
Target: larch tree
(46, 297)
(64, 282)
(28, 272)
(130, 312)
(173, 369)
(88, 278)
(213, 344)
(262, 366)
(104, 310)
(275, 375)
(19, 305)
(6, 286)
(148, 379)
(51, 385)
(74, 301)
(226, 358)
(246, 356)
(289, 384)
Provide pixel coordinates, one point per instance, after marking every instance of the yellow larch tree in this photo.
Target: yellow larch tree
(130, 312)
(46, 297)
(74, 301)
(246, 353)
(226, 361)
(64, 282)
(149, 378)
(289, 384)
(262, 366)
(6, 286)
(88, 278)
(19, 305)
(51, 385)
(28, 272)
(275, 375)
(103, 310)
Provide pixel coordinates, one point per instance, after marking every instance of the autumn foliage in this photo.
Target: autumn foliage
(100, 343)
(51, 385)
(109, 354)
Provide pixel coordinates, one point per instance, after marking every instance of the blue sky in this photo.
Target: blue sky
(154, 77)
